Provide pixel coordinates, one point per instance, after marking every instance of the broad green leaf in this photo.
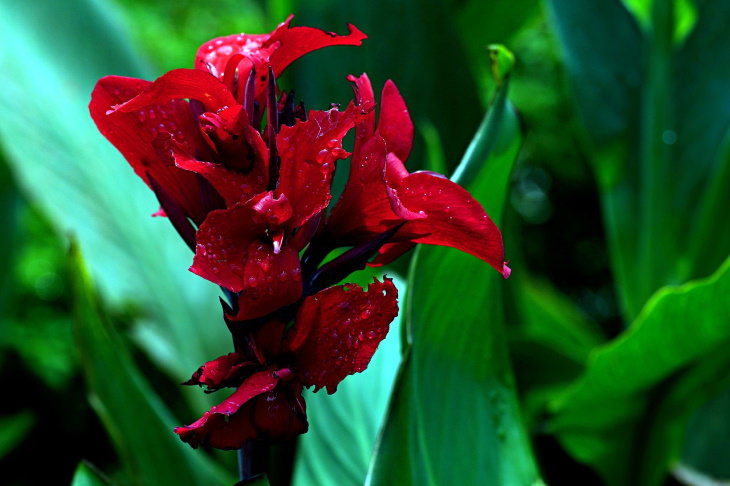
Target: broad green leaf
(55, 51)
(657, 133)
(648, 381)
(453, 417)
(602, 53)
(9, 215)
(87, 475)
(550, 340)
(138, 422)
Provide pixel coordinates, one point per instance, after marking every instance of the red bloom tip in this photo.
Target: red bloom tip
(506, 271)
(246, 52)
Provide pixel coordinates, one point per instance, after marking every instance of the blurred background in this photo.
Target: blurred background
(60, 181)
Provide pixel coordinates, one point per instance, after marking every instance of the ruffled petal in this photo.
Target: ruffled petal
(338, 329)
(143, 138)
(223, 242)
(272, 281)
(230, 424)
(232, 252)
(440, 212)
(294, 42)
(308, 152)
(278, 49)
(181, 84)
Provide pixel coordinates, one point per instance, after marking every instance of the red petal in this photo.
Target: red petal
(394, 123)
(182, 84)
(308, 152)
(140, 137)
(363, 209)
(440, 212)
(294, 42)
(278, 49)
(223, 242)
(338, 329)
(233, 186)
(220, 372)
(280, 414)
(272, 281)
(365, 100)
(230, 253)
(230, 424)
(239, 164)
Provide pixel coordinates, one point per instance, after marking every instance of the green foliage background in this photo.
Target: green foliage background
(602, 150)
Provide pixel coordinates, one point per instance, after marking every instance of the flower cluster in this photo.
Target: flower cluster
(244, 174)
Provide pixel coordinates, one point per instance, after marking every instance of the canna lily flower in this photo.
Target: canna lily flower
(244, 175)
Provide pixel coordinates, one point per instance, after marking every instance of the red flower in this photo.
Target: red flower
(250, 196)
(335, 333)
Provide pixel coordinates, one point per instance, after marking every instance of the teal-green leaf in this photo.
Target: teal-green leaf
(453, 417)
(652, 101)
(86, 475)
(610, 416)
(138, 422)
(55, 52)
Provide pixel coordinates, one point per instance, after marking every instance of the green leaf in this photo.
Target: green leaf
(138, 422)
(13, 428)
(708, 438)
(87, 475)
(550, 340)
(85, 187)
(651, 101)
(624, 416)
(453, 417)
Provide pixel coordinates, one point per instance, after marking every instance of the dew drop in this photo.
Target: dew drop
(365, 314)
(252, 282)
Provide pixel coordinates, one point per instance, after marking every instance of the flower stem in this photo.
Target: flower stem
(245, 456)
